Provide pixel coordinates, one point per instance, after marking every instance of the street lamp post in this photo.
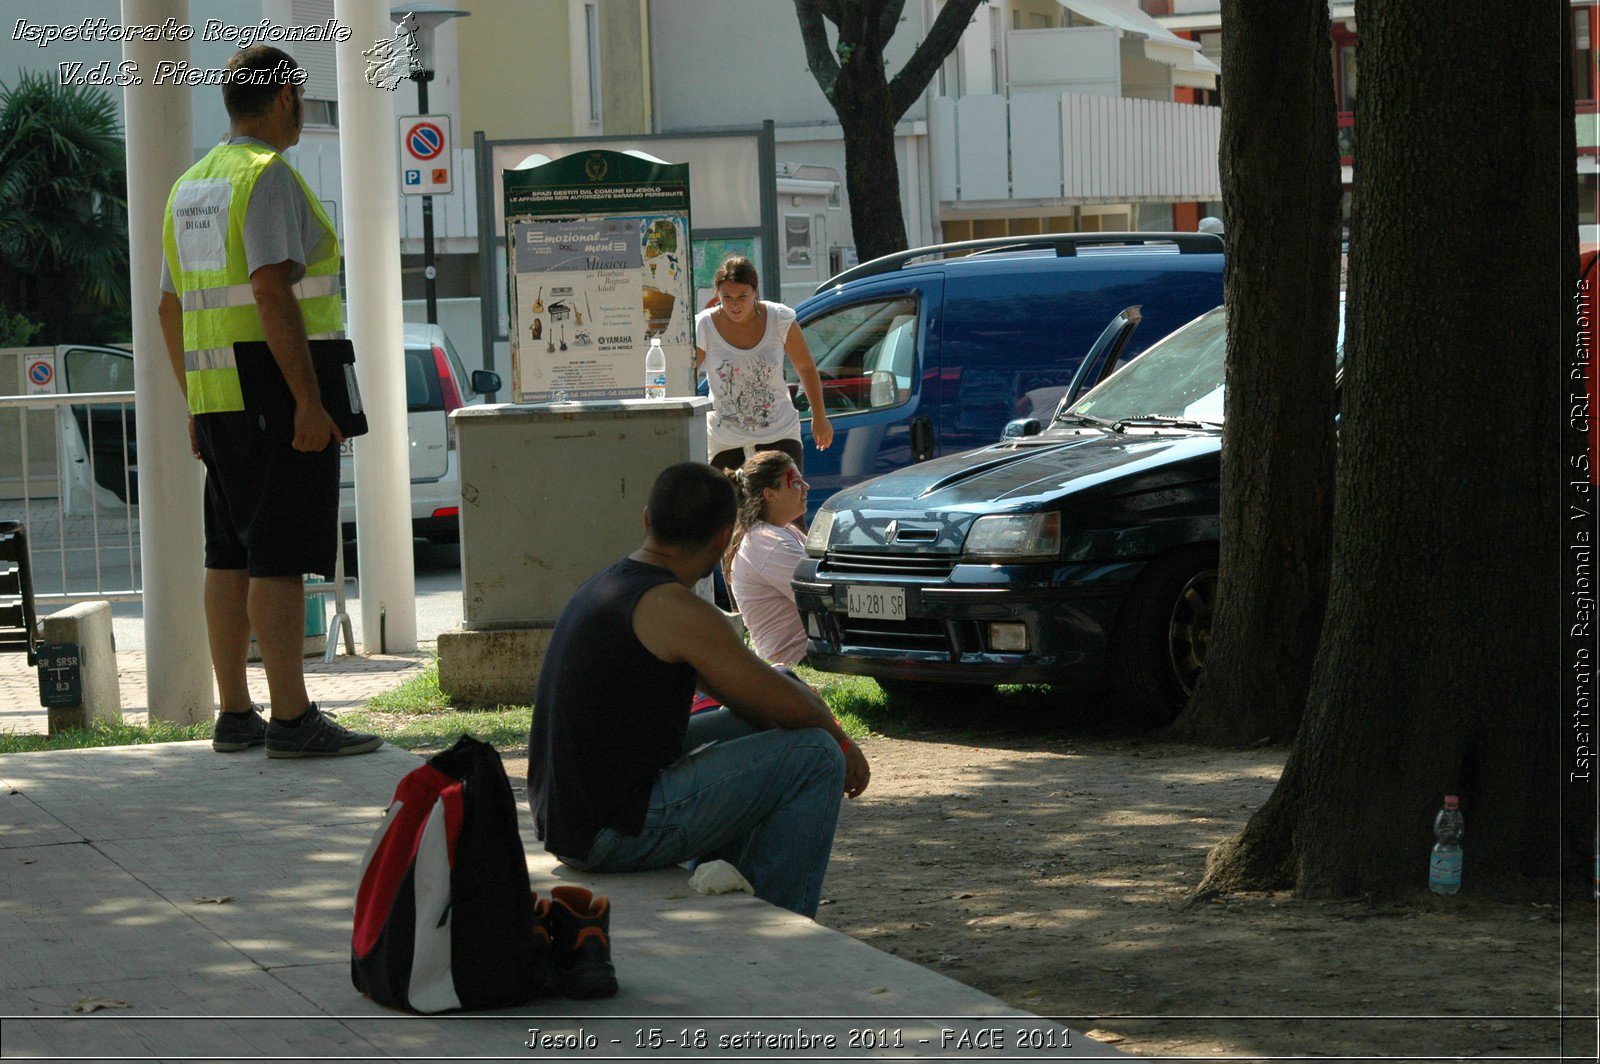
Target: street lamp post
(427, 17)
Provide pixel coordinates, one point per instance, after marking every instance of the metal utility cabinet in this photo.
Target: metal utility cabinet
(550, 494)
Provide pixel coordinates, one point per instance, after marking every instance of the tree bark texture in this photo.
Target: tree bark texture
(1436, 672)
(853, 78)
(1280, 192)
(871, 170)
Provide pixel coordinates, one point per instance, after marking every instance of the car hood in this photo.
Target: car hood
(937, 501)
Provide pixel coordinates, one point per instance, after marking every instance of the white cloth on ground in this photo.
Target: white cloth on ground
(719, 877)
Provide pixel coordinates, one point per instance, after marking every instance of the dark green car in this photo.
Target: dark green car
(1088, 546)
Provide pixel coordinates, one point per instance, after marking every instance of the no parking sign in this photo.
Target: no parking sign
(40, 371)
(425, 159)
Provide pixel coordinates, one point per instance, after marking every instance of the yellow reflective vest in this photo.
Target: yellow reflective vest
(203, 237)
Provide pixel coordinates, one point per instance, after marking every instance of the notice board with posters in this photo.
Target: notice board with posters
(598, 263)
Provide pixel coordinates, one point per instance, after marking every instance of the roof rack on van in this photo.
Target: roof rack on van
(1063, 244)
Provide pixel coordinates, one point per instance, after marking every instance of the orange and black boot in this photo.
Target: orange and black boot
(550, 985)
(580, 927)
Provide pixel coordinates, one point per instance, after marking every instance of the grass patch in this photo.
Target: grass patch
(502, 728)
(418, 716)
(104, 733)
(419, 694)
(858, 702)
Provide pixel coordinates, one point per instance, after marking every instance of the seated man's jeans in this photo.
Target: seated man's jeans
(766, 802)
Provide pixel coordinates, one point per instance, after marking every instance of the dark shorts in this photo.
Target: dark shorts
(269, 508)
(733, 458)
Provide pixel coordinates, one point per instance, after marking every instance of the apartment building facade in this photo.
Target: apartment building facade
(1050, 115)
(1201, 21)
(1074, 115)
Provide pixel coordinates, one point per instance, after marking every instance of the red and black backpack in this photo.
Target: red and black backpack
(444, 912)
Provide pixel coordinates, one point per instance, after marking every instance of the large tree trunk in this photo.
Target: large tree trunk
(1282, 284)
(1436, 671)
(851, 74)
(872, 173)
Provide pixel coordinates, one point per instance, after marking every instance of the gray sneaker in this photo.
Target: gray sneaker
(317, 736)
(238, 731)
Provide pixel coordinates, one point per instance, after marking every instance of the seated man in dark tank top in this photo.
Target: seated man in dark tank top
(618, 778)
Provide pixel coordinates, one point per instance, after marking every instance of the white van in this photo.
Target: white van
(436, 383)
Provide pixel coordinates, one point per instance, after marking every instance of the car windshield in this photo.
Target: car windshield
(1180, 377)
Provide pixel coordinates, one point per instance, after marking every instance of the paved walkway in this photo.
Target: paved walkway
(112, 861)
(165, 902)
(346, 683)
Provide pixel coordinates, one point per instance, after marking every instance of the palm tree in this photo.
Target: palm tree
(63, 210)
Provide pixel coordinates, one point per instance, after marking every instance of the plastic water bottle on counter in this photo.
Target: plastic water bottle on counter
(1444, 869)
(655, 370)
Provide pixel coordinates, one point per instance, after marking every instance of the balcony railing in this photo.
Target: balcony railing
(1071, 148)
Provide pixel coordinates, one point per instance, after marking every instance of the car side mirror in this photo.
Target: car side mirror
(883, 390)
(485, 381)
(1021, 427)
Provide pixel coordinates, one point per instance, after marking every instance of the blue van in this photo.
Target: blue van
(923, 355)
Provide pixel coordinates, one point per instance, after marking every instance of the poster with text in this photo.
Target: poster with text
(590, 293)
(709, 255)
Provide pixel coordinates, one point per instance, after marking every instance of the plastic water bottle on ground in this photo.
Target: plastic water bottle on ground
(1444, 869)
(655, 371)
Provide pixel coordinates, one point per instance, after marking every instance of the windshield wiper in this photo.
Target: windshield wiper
(1065, 418)
(1163, 420)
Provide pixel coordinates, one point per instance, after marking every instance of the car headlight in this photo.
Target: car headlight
(821, 529)
(1015, 537)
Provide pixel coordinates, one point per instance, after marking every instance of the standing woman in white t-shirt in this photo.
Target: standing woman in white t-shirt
(741, 343)
(763, 553)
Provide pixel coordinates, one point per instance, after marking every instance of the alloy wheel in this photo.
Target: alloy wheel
(1189, 633)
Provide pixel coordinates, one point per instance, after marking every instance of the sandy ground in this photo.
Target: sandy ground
(1058, 874)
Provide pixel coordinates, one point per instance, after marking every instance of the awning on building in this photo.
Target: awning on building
(1161, 45)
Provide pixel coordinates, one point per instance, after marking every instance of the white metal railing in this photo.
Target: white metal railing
(455, 216)
(83, 532)
(1072, 147)
(79, 502)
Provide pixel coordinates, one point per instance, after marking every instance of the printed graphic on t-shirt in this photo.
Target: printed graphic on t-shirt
(200, 223)
(750, 389)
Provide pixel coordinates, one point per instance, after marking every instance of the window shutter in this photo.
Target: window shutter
(315, 57)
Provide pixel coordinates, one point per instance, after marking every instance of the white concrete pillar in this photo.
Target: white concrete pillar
(369, 158)
(160, 142)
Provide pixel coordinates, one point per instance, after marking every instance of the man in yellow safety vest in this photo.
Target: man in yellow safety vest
(251, 255)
